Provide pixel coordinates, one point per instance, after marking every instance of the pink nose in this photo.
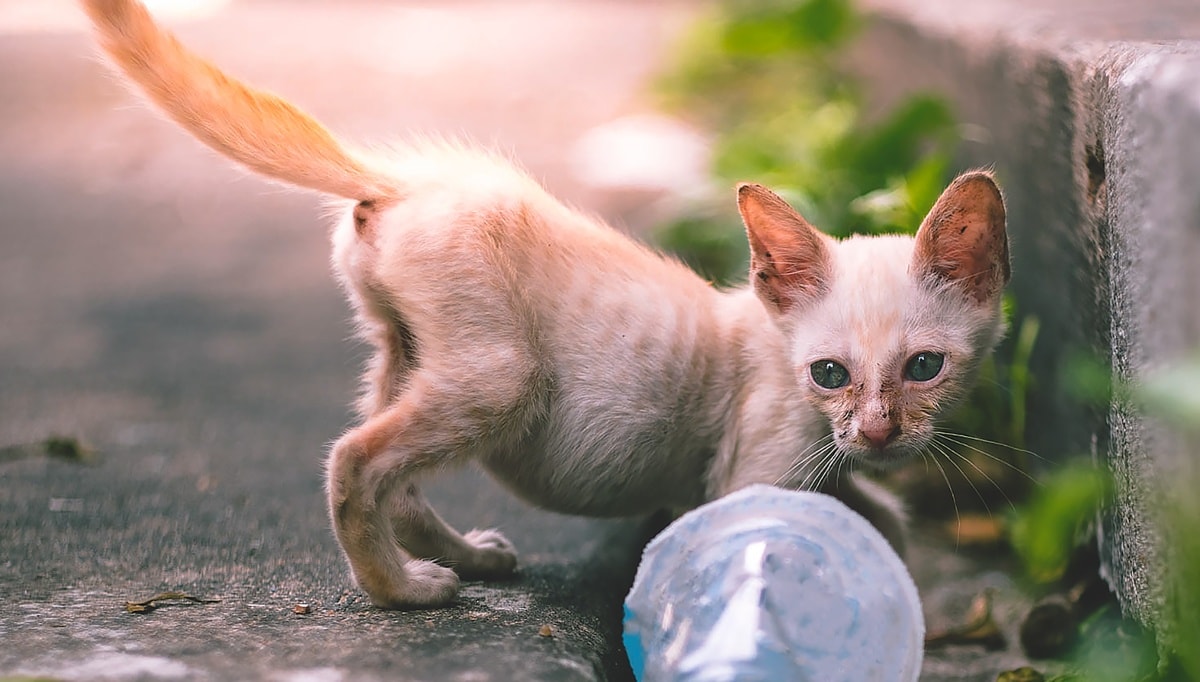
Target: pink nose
(880, 435)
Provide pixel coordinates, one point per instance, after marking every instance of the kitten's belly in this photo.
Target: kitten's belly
(610, 470)
(637, 393)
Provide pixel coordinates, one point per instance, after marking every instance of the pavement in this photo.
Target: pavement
(179, 318)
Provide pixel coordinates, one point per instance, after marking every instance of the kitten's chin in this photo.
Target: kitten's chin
(886, 459)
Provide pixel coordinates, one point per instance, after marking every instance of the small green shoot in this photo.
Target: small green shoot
(1058, 518)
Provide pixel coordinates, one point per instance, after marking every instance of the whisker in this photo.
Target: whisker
(837, 476)
(822, 469)
(813, 451)
(953, 438)
(995, 442)
(950, 453)
(985, 474)
(834, 458)
(835, 472)
(802, 459)
(814, 474)
(953, 499)
(820, 441)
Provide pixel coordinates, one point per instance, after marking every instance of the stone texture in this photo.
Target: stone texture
(1090, 114)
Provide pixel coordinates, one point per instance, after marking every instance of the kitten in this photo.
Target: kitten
(587, 373)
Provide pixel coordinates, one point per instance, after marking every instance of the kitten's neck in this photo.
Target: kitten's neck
(769, 424)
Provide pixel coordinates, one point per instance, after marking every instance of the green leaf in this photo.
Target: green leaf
(1048, 529)
(712, 245)
(1088, 379)
(762, 28)
(894, 146)
(923, 184)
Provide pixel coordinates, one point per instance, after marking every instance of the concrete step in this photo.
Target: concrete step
(1090, 114)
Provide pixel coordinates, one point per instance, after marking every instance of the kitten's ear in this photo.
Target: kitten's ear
(962, 241)
(789, 259)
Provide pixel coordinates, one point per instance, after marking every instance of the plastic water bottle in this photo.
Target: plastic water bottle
(773, 585)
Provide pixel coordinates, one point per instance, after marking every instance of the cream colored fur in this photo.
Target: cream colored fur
(587, 373)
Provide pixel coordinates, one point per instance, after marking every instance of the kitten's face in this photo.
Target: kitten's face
(885, 351)
(885, 332)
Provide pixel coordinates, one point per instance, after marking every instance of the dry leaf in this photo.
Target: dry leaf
(148, 605)
(979, 627)
(1025, 674)
(66, 447)
(59, 447)
(977, 530)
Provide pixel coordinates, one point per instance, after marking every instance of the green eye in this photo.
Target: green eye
(924, 366)
(829, 374)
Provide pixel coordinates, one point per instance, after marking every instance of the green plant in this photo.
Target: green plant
(1173, 395)
(764, 75)
(1050, 527)
(1058, 518)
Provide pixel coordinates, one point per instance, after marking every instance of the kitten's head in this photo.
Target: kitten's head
(885, 332)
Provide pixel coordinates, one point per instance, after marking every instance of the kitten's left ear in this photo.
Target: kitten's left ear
(963, 241)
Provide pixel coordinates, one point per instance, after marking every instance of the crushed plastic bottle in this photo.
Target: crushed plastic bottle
(771, 585)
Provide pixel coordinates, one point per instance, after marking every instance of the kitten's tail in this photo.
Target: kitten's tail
(254, 128)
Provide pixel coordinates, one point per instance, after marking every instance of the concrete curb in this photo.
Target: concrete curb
(1091, 117)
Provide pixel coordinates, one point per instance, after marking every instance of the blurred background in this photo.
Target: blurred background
(175, 357)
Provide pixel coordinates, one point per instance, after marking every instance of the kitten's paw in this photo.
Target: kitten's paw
(489, 539)
(426, 585)
(494, 555)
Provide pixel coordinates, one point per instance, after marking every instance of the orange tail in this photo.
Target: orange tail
(254, 128)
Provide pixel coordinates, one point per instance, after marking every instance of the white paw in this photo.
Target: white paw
(489, 539)
(494, 555)
(425, 585)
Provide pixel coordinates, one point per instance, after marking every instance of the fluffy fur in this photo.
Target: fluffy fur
(587, 373)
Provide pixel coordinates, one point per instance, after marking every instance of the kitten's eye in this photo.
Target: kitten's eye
(829, 374)
(924, 366)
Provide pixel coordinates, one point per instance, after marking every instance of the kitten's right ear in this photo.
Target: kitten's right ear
(789, 259)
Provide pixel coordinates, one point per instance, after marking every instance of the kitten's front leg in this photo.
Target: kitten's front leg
(876, 504)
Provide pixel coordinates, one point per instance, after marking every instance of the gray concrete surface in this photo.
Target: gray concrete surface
(1090, 113)
(181, 319)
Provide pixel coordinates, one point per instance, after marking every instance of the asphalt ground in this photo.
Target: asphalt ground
(179, 318)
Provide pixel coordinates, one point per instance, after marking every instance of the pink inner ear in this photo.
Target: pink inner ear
(789, 261)
(963, 239)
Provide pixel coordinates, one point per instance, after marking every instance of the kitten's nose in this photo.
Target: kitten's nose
(880, 435)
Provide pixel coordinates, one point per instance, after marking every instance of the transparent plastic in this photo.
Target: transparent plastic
(767, 584)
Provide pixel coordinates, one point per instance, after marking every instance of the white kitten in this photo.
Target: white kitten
(587, 373)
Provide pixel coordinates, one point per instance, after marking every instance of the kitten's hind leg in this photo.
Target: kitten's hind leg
(379, 517)
(422, 533)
